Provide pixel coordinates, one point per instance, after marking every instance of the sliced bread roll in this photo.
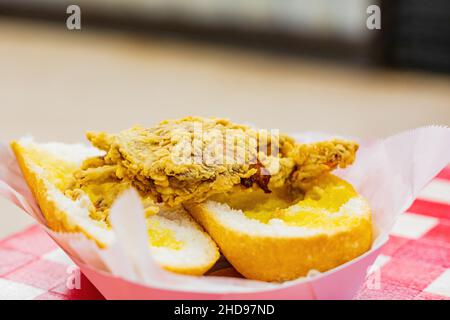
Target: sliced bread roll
(176, 241)
(277, 237)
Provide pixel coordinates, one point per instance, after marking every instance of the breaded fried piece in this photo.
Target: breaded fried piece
(156, 162)
(191, 159)
(315, 159)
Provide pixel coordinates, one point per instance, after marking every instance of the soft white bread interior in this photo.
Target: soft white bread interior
(288, 246)
(176, 241)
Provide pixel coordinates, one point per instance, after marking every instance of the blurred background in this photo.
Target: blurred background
(294, 65)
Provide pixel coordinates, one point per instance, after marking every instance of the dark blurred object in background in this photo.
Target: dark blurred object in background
(414, 34)
(418, 34)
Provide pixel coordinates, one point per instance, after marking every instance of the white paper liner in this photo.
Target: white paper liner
(389, 173)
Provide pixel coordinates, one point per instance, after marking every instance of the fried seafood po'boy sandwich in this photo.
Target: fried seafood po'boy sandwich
(270, 204)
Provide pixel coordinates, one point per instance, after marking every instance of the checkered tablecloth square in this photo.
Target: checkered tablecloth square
(33, 267)
(414, 264)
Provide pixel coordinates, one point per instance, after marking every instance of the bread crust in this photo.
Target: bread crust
(60, 221)
(277, 259)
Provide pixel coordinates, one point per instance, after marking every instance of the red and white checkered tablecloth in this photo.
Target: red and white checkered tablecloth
(415, 263)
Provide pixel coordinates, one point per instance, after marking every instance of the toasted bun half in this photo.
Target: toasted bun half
(277, 251)
(176, 241)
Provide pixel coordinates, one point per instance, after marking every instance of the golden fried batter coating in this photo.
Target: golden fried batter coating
(313, 160)
(191, 159)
